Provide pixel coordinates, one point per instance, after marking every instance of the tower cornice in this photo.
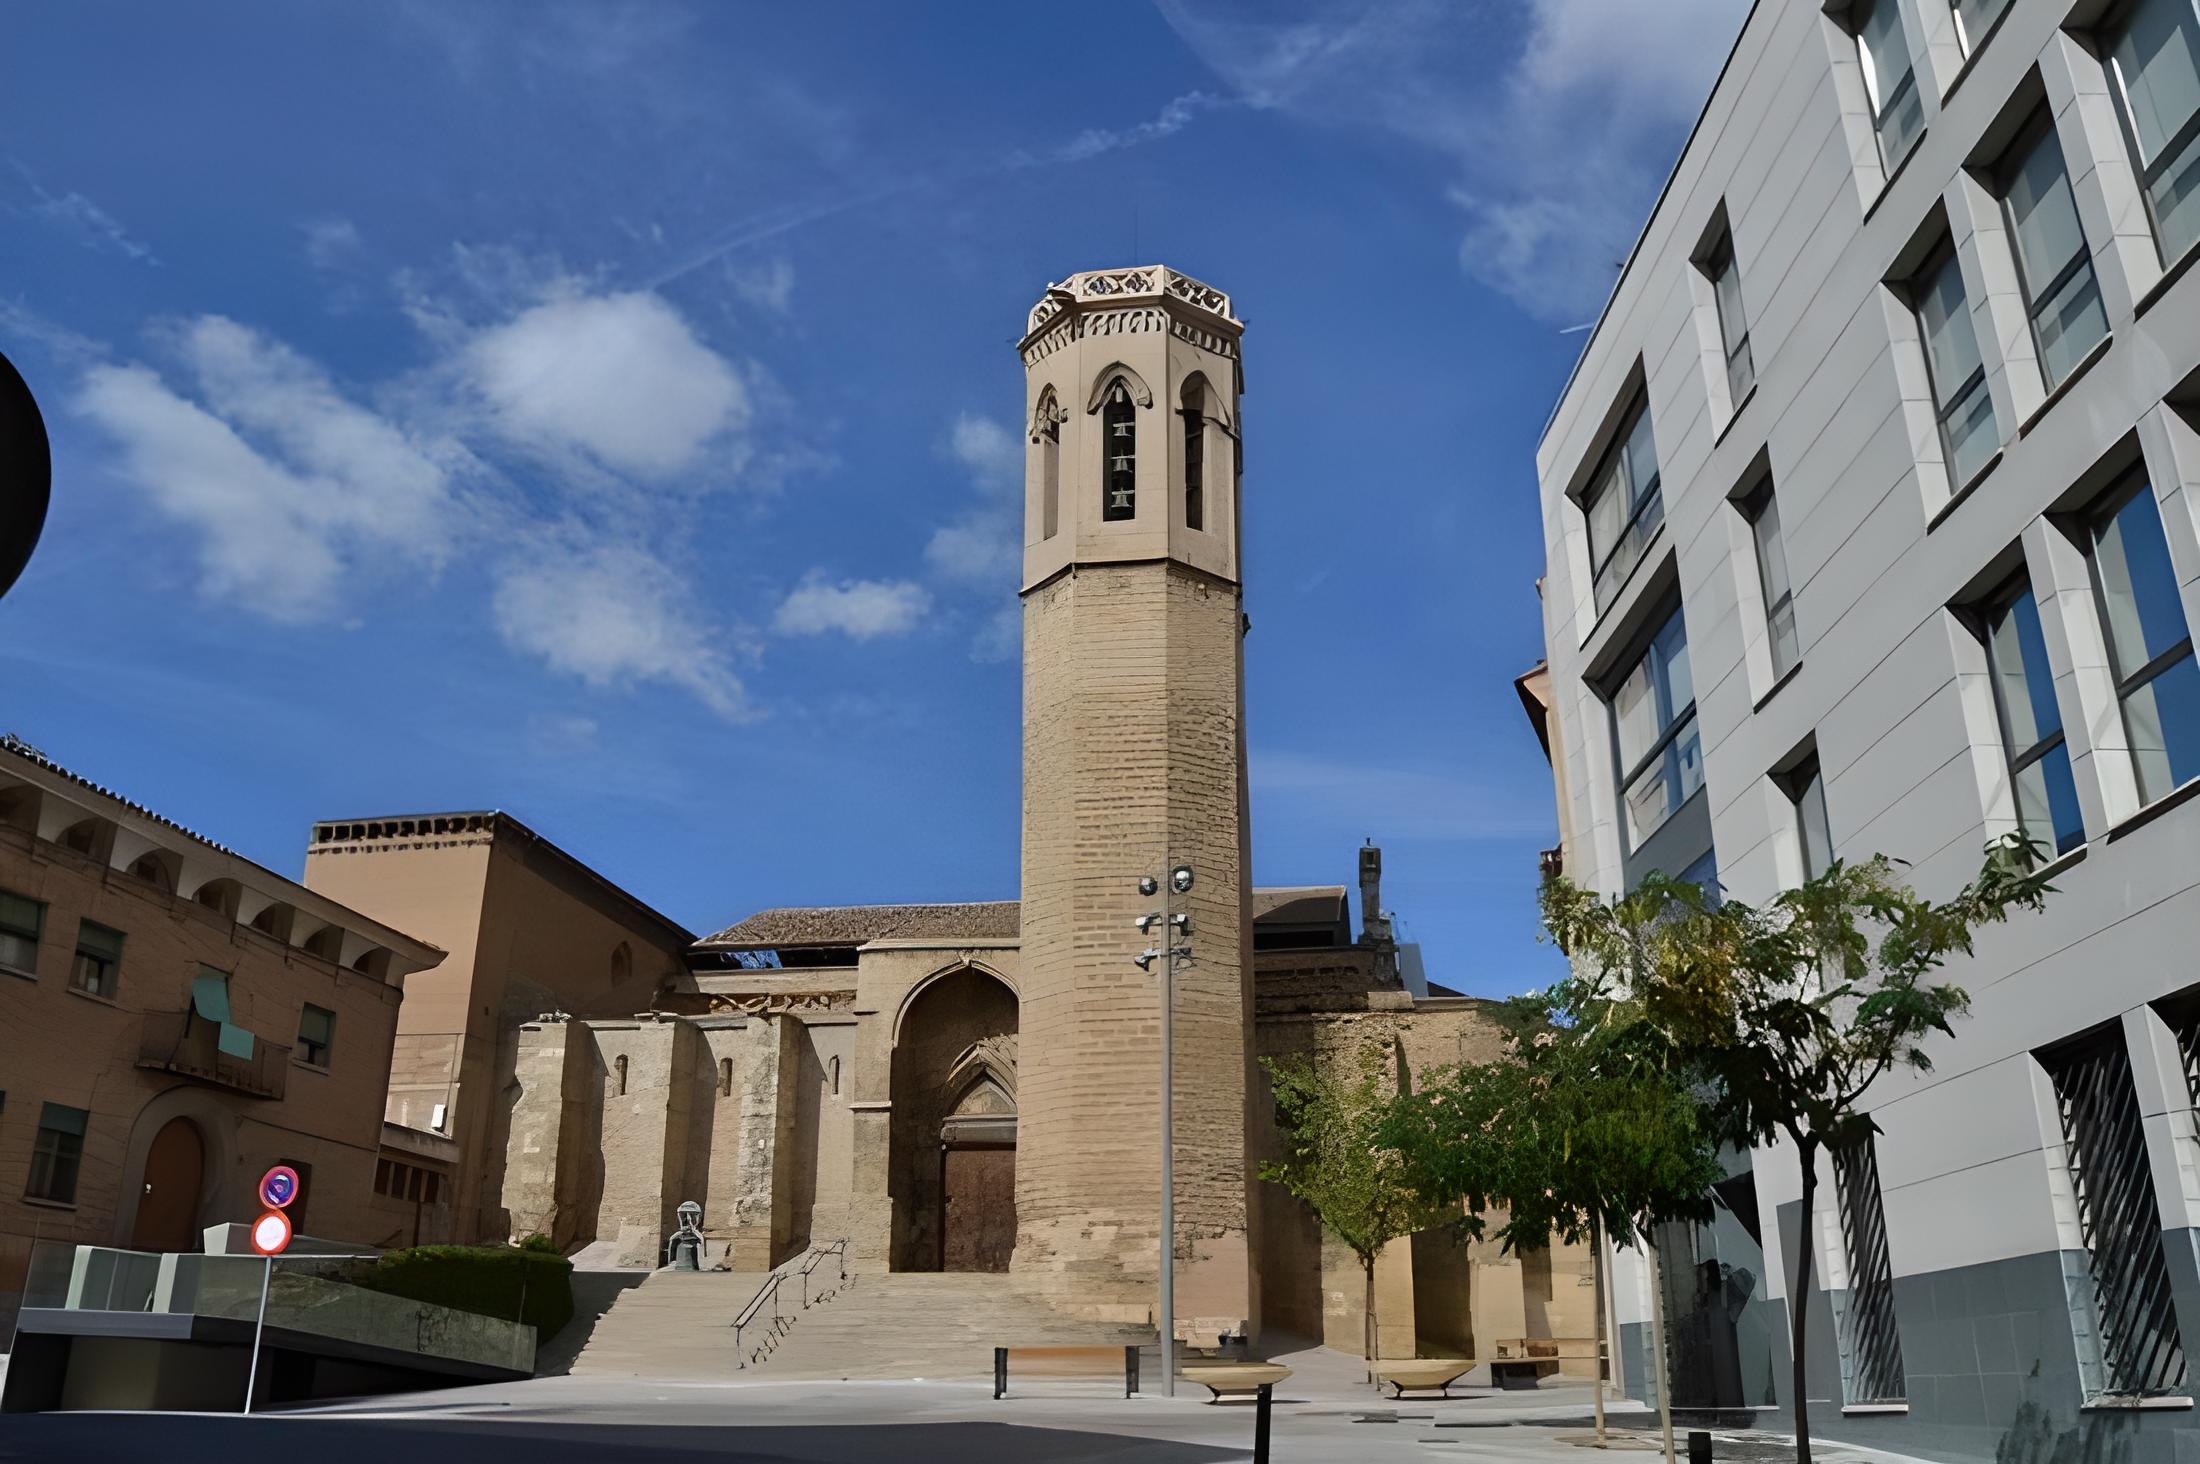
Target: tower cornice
(1189, 305)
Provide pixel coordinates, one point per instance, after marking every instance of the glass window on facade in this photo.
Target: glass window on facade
(56, 1153)
(1898, 112)
(98, 959)
(1763, 512)
(316, 1032)
(1806, 787)
(2149, 644)
(1623, 506)
(1969, 434)
(1726, 289)
(21, 920)
(2153, 53)
(1974, 18)
(1654, 725)
(2031, 723)
(2053, 260)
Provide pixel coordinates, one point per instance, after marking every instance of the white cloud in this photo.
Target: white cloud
(392, 488)
(1001, 636)
(331, 243)
(620, 377)
(1169, 121)
(1559, 139)
(289, 484)
(859, 609)
(73, 213)
(767, 286)
(614, 615)
(984, 545)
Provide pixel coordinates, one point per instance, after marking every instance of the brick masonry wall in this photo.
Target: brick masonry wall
(1132, 757)
(61, 1046)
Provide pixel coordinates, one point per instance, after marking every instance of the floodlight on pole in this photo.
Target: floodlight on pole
(1176, 924)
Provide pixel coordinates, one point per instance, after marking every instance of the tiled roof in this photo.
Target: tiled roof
(12, 743)
(843, 925)
(846, 925)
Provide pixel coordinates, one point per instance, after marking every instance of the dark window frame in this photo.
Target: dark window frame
(1947, 404)
(2173, 150)
(36, 934)
(56, 1167)
(110, 974)
(1118, 470)
(1680, 720)
(307, 1047)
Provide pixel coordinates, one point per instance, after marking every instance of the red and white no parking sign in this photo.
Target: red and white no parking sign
(271, 1232)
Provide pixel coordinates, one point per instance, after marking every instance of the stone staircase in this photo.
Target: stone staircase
(676, 1325)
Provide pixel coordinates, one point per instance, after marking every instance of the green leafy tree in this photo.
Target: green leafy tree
(1787, 1012)
(1330, 1115)
(1586, 1127)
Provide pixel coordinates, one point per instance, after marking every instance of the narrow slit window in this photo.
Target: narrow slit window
(1969, 435)
(1119, 455)
(1762, 510)
(2031, 721)
(1726, 292)
(1049, 438)
(1195, 456)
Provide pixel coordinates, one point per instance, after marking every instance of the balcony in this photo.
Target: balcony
(185, 1043)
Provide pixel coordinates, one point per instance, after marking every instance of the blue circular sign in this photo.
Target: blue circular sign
(279, 1186)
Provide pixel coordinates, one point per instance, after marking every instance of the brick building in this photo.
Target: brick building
(174, 1019)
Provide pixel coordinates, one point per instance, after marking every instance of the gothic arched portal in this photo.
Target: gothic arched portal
(953, 1160)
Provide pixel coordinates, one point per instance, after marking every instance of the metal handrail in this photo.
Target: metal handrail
(770, 1291)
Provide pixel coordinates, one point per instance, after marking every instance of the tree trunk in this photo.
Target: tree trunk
(1657, 1340)
(1596, 1259)
(1807, 1150)
(1367, 1318)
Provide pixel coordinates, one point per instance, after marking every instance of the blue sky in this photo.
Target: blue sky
(607, 412)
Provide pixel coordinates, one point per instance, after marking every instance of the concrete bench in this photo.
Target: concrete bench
(1240, 1378)
(1067, 1362)
(1423, 1374)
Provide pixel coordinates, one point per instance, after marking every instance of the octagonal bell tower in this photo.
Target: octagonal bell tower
(1134, 760)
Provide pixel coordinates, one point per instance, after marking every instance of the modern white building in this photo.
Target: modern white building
(1870, 518)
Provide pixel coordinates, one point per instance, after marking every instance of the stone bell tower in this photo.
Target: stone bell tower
(1134, 760)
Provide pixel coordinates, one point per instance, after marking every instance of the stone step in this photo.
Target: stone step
(678, 1325)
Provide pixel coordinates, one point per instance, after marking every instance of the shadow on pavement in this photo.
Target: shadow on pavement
(59, 1438)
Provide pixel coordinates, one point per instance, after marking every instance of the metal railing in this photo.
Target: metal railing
(769, 1292)
(2141, 1351)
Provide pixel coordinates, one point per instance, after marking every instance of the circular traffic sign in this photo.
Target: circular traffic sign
(270, 1233)
(278, 1187)
(26, 474)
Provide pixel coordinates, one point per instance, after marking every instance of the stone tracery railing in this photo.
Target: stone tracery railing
(1151, 279)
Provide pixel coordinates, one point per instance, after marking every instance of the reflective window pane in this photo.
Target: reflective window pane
(1657, 702)
(2047, 801)
(2065, 302)
(1635, 716)
(2162, 718)
(1810, 818)
(2017, 655)
(1978, 17)
(1973, 436)
(1641, 458)
(2139, 600)
(1944, 316)
(2070, 323)
(2156, 58)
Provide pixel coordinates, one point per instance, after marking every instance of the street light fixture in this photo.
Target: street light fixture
(1176, 930)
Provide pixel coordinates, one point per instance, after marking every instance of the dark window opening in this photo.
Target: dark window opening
(1119, 455)
(1195, 456)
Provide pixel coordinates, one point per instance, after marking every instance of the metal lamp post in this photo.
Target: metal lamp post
(1176, 929)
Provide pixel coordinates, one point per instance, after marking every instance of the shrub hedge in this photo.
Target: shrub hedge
(532, 1284)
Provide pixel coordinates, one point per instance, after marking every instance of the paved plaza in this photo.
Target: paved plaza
(1322, 1413)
